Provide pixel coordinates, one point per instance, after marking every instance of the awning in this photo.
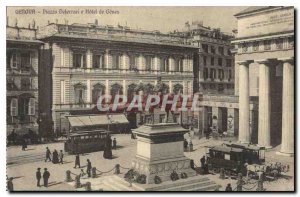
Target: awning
(97, 120)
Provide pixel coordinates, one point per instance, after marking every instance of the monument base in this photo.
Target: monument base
(163, 168)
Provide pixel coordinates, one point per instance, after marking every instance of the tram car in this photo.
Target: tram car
(86, 141)
(233, 157)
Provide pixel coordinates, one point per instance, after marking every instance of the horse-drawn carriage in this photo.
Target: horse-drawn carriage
(242, 158)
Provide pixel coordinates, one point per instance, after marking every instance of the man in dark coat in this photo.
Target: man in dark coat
(77, 161)
(48, 155)
(228, 188)
(24, 144)
(88, 167)
(114, 144)
(202, 161)
(46, 176)
(185, 144)
(61, 157)
(38, 177)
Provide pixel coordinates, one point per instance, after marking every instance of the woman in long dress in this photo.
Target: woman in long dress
(55, 157)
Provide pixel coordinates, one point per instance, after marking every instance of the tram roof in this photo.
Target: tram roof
(226, 149)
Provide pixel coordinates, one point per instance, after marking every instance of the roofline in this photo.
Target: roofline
(259, 10)
(124, 41)
(38, 42)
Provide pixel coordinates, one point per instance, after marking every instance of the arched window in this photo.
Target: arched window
(131, 91)
(98, 90)
(14, 107)
(79, 90)
(178, 88)
(116, 89)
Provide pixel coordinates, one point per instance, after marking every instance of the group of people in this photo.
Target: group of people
(56, 157)
(88, 166)
(46, 176)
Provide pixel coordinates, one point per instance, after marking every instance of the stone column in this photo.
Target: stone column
(264, 132)
(231, 116)
(287, 141)
(244, 106)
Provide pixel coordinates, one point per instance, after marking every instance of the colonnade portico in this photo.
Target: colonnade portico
(264, 131)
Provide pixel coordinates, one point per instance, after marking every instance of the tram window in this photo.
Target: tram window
(227, 157)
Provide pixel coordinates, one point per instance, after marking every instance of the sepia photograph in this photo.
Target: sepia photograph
(150, 99)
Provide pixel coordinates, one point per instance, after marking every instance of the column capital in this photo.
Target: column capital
(244, 62)
(290, 60)
(265, 61)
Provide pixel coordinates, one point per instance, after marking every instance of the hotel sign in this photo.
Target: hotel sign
(266, 23)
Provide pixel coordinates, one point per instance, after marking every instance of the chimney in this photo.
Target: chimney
(96, 22)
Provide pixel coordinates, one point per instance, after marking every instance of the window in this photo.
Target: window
(205, 48)
(62, 91)
(244, 48)
(221, 74)
(98, 61)
(220, 87)
(279, 44)
(79, 93)
(220, 61)
(31, 107)
(212, 73)
(213, 50)
(25, 61)
(205, 73)
(15, 60)
(204, 60)
(291, 41)
(79, 96)
(178, 65)
(255, 46)
(116, 59)
(162, 118)
(228, 52)
(14, 107)
(98, 91)
(148, 63)
(228, 62)
(79, 60)
(230, 74)
(267, 44)
(25, 84)
(164, 66)
(212, 61)
(133, 61)
(221, 50)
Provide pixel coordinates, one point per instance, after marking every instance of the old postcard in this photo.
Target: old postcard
(150, 98)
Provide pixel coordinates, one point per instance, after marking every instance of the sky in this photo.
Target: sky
(164, 19)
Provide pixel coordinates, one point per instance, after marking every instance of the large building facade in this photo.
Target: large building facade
(89, 60)
(265, 68)
(22, 67)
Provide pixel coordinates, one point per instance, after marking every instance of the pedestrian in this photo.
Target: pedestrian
(185, 144)
(46, 176)
(114, 144)
(24, 144)
(55, 157)
(48, 155)
(202, 161)
(77, 161)
(61, 157)
(88, 167)
(38, 177)
(10, 185)
(228, 188)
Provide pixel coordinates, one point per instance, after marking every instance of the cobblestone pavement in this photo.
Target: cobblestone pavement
(22, 165)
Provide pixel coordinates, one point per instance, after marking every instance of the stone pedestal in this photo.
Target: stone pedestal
(160, 152)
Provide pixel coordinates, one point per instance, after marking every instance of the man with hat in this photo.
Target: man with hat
(46, 176)
(38, 176)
